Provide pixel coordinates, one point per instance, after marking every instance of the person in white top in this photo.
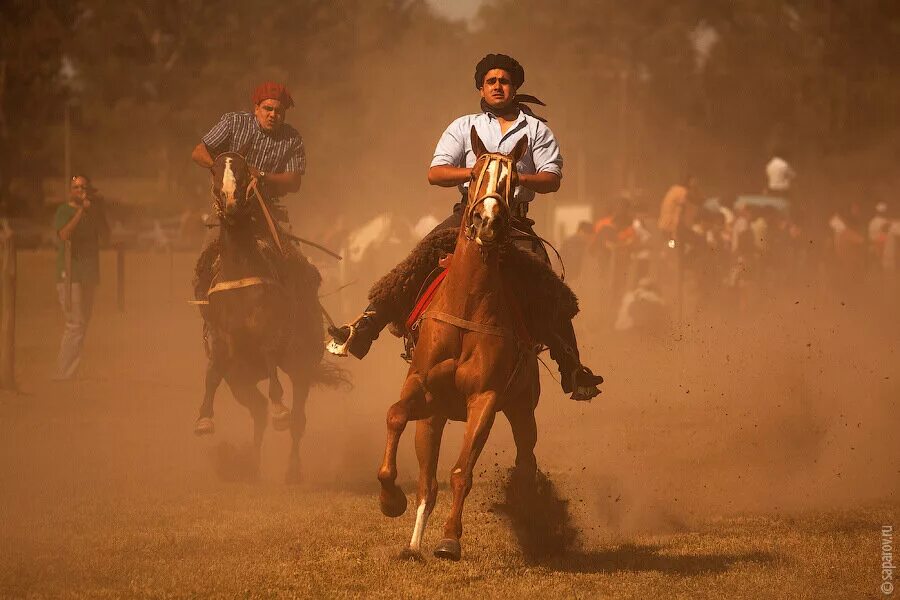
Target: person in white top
(780, 176)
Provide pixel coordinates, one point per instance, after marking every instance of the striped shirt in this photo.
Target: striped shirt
(278, 152)
(454, 149)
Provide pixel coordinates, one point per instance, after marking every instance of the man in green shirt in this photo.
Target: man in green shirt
(80, 224)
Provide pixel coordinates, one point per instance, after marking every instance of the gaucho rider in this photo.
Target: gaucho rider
(503, 120)
(277, 160)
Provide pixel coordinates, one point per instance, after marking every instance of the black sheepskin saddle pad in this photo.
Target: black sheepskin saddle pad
(544, 298)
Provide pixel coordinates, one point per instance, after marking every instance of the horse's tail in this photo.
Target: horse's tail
(329, 374)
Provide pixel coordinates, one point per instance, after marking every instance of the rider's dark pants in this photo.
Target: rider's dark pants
(563, 344)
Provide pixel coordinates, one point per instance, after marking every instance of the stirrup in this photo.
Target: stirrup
(585, 384)
(342, 337)
(336, 345)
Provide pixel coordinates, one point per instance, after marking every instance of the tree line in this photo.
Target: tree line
(638, 92)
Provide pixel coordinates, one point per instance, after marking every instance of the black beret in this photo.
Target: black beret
(499, 61)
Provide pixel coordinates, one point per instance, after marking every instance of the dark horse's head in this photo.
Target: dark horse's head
(494, 179)
(231, 180)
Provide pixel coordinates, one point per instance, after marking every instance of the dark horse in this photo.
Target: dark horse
(469, 362)
(256, 321)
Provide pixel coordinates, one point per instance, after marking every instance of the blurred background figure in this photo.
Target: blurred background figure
(643, 310)
(576, 250)
(80, 225)
(672, 206)
(779, 175)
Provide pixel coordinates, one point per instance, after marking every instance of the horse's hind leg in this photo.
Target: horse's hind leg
(204, 424)
(298, 425)
(245, 392)
(428, 446)
(281, 416)
(479, 420)
(524, 430)
(412, 397)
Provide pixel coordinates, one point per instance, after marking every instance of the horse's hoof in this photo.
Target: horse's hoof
(393, 501)
(449, 549)
(204, 426)
(411, 555)
(281, 417)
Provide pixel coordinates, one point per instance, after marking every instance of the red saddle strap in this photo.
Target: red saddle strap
(425, 300)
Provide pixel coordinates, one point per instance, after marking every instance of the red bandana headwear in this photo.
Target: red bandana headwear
(276, 91)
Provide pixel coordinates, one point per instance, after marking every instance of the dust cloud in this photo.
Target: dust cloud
(790, 406)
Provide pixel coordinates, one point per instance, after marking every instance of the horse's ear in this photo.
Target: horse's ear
(519, 151)
(477, 145)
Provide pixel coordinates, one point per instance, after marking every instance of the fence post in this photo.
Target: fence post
(120, 278)
(8, 314)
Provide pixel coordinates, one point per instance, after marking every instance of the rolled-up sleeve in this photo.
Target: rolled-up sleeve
(217, 138)
(296, 160)
(451, 148)
(547, 157)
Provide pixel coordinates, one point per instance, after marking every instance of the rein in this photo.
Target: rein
(265, 210)
(524, 235)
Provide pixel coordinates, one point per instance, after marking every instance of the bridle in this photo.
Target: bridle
(253, 188)
(218, 203)
(502, 199)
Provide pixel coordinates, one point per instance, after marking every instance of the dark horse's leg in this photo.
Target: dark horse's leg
(204, 424)
(244, 390)
(281, 416)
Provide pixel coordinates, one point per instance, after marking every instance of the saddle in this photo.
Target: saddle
(411, 332)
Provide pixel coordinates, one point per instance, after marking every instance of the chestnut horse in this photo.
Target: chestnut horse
(255, 324)
(469, 362)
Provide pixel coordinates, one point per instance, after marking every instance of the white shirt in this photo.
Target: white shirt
(542, 155)
(780, 174)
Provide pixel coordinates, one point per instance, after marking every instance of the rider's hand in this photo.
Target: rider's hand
(254, 172)
(85, 203)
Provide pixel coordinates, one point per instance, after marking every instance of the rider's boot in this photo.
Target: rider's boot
(576, 378)
(356, 338)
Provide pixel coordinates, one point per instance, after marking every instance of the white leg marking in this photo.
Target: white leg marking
(415, 544)
(229, 183)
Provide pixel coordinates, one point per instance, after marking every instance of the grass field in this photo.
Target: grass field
(710, 468)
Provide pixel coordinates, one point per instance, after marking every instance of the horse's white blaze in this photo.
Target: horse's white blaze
(488, 208)
(229, 183)
(419, 531)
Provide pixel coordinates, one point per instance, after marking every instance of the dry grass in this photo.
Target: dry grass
(104, 492)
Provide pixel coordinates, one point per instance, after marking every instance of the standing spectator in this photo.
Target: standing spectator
(80, 224)
(779, 175)
(673, 205)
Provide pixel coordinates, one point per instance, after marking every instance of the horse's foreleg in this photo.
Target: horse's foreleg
(428, 446)
(204, 424)
(281, 416)
(392, 499)
(479, 420)
(298, 425)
